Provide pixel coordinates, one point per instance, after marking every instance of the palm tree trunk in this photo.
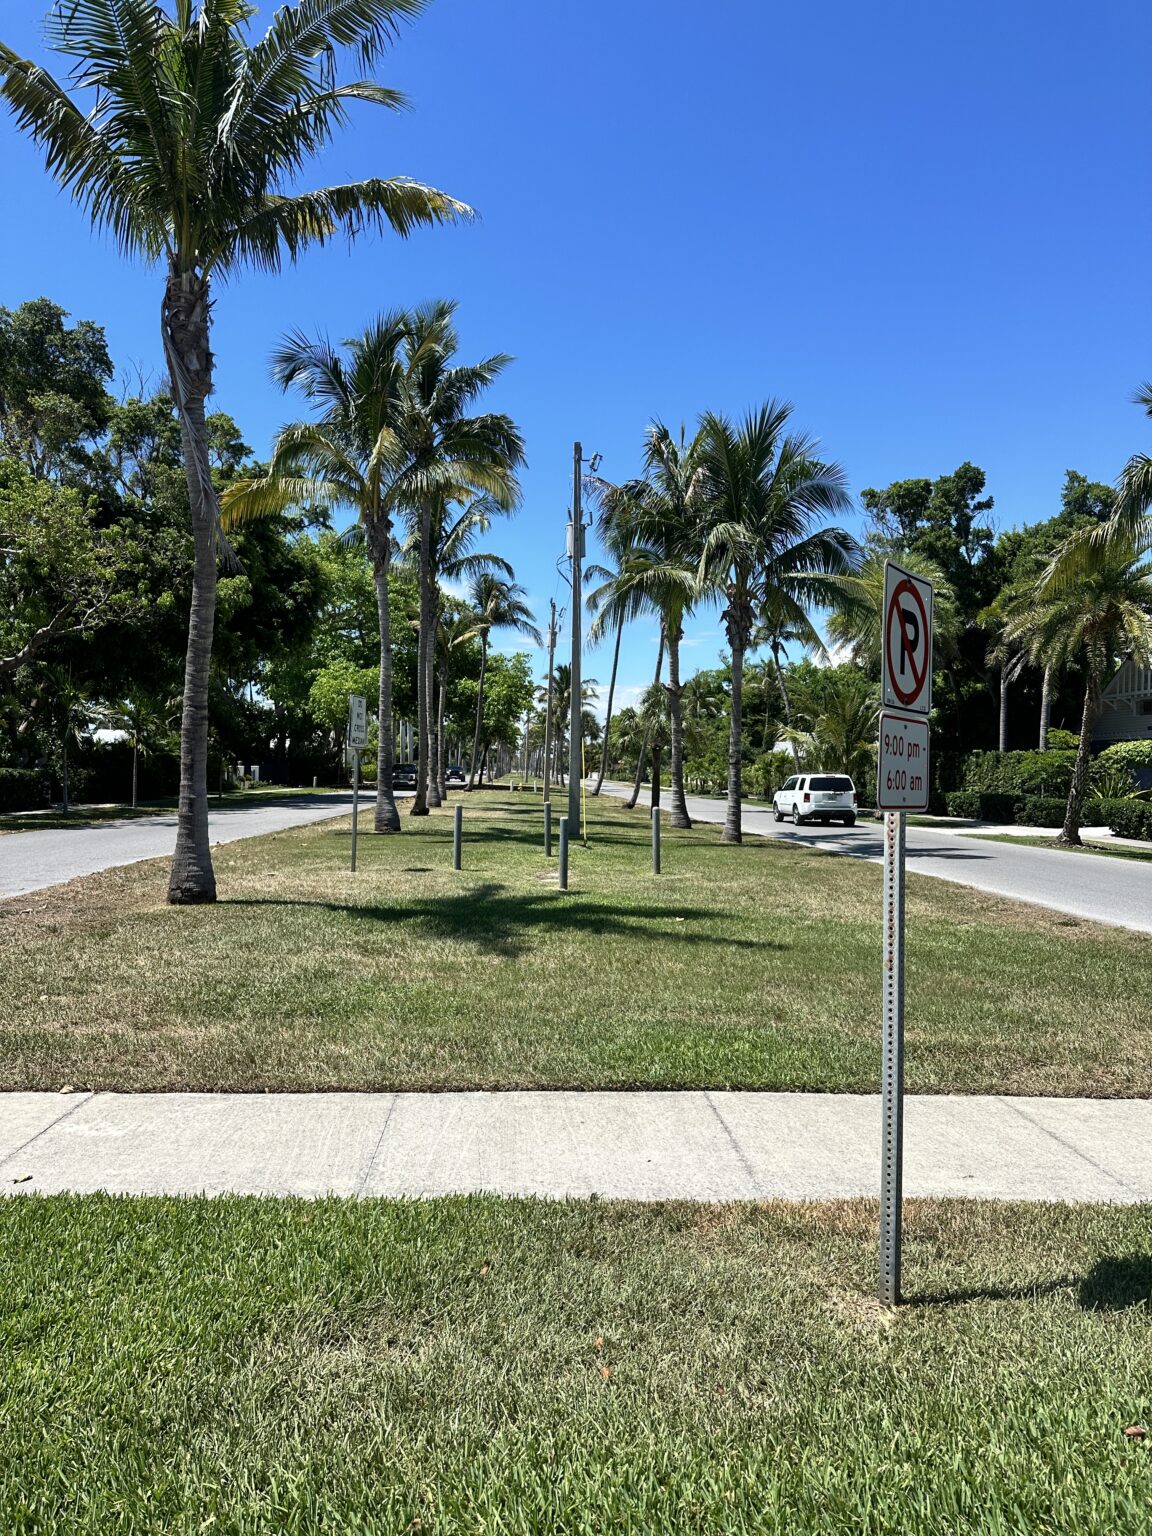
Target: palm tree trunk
(419, 806)
(135, 753)
(435, 798)
(657, 755)
(479, 712)
(1070, 831)
(185, 325)
(635, 795)
(738, 620)
(1045, 707)
(679, 816)
(1003, 709)
(65, 804)
(784, 698)
(387, 817)
(441, 712)
(608, 714)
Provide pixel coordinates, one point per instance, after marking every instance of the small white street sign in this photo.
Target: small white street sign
(906, 641)
(357, 720)
(902, 765)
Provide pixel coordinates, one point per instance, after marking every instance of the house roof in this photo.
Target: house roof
(1131, 682)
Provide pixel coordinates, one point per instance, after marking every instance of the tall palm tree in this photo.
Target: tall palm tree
(344, 458)
(762, 548)
(190, 155)
(660, 573)
(1134, 501)
(1092, 605)
(617, 535)
(442, 453)
(496, 603)
(562, 710)
(782, 625)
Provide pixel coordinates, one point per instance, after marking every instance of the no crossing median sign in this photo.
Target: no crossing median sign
(902, 764)
(906, 648)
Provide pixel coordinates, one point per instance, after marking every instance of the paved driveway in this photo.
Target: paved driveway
(1107, 890)
(29, 861)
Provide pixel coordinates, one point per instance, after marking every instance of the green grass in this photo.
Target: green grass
(756, 966)
(482, 1366)
(1109, 851)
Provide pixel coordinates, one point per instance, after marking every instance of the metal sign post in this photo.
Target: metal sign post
(902, 780)
(357, 741)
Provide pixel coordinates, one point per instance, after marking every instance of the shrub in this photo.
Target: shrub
(1038, 812)
(24, 789)
(1062, 741)
(1047, 774)
(987, 805)
(1130, 818)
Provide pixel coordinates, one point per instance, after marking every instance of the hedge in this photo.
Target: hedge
(983, 805)
(24, 789)
(1127, 818)
(1131, 818)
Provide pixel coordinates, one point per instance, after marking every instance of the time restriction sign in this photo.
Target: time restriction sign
(906, 651)
(902, 763)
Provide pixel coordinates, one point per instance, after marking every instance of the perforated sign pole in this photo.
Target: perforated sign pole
(892, 1064)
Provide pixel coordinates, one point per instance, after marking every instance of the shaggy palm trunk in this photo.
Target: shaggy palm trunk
(135, 780)
(608, 713)
(639, 779)
(679, 816)
(186, 320)
(738, 620)
(65, 803)
(387, 817)
(1045, 707)
(1070, 831)
(1003, 709)
(657, 755)
(479, 712)
(419, 805)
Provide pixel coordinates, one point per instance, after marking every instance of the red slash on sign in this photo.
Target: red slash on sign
(907, 640)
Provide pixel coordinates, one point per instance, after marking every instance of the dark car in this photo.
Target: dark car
(455, 774)
(404, 776)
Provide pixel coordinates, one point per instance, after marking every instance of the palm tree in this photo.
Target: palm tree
(660, 573)
(781, 625)
(562, 710)
(343, 459)
(1093, 604)
(443, 454)
(455, 627)
(1134, 501)
(856, 619)
(497, 603)
(190, 155)
(617, 535)
(841, 716)
(766, 490)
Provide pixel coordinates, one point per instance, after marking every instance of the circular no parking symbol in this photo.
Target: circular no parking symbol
(907, 643)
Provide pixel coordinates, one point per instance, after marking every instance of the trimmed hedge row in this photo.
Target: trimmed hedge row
(24, 789)
(1127, 818)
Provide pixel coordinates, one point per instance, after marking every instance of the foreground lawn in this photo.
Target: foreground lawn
(519, 1367)
(753, 966)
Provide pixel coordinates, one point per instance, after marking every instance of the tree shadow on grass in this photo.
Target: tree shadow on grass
(497, 921)
(1118, 1283)
(961, 1297)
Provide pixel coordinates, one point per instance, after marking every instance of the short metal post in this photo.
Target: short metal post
(655, 839)
(547, 829)
(457, 820)
(892, 1066)
(355, 801)
(563, 853)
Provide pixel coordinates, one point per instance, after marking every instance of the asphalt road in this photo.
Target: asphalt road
(30, 861)
(1106, 890)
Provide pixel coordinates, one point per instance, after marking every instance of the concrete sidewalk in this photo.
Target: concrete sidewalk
(645, 1146)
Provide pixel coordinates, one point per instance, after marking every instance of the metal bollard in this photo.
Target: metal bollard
(547, 829)
(457, 820)
(655, 840)
(563, 853)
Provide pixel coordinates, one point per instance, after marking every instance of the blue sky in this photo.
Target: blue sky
(926, 225)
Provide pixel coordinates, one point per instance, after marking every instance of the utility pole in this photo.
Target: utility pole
(548, 706)
(575, 741)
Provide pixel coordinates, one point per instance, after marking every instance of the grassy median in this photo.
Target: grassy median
(756, 966)
(481, 1366)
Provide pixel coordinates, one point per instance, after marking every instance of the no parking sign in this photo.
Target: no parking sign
(906, 653)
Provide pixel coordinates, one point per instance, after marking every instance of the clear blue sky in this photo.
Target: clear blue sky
(926, 225)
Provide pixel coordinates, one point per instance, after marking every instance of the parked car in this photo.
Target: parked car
(404, 776)
(455, 774)
(816, 797)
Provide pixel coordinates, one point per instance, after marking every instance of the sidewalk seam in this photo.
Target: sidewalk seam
(370, 1165)
(85, 1098)
(1031, 1120)
(741, 1155)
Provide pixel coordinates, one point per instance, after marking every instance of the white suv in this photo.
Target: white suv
(816, 797)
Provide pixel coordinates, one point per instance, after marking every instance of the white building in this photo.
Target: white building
(1127, 707)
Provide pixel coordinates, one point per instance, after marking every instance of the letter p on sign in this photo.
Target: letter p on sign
(906, 641)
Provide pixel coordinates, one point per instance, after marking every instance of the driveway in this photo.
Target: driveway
(30, 861)
(1105, 890)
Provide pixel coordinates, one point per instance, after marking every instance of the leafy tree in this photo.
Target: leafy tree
(763, 546)
(942, 521)
(190, 154)
(496, 603)
(53, 394)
